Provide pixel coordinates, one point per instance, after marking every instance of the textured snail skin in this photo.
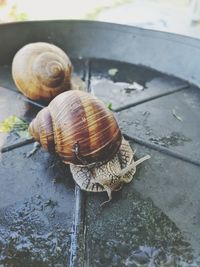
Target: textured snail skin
(109, 176)
(78, 127)
(106, 175)
(41, 71)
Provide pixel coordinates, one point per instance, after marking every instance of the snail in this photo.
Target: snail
(84, 133)
(41, 71)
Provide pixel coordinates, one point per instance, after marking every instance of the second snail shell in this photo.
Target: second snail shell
(41, 71)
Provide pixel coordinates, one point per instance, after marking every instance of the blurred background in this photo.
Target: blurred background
(178, 16)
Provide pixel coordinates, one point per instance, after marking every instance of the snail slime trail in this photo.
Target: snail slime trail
(100, 158)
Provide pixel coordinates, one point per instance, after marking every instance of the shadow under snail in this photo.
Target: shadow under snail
(41, 71)
(84, 133)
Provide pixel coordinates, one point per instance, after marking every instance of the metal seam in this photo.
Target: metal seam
(162, 149)
(148, 99)
(78, 225)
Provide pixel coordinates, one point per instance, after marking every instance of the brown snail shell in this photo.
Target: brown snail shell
(78, 127)
(41, 71)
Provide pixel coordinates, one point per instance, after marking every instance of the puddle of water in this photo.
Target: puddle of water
(110, 91)
(30, 235)
(174, 139)
(122, 92)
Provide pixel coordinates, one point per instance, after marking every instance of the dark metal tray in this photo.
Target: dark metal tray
(45, 220)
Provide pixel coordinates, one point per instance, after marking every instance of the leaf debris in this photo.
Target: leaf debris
(175, 115)
(113, 72)
(109, 106)
(16, 125)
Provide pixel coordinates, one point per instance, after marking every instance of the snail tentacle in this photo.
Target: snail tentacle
(139, 161)
(133, 165)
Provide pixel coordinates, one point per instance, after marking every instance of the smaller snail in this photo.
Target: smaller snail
(84, 133)
(41, 71)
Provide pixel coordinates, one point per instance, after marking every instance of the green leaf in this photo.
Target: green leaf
(16, 125)
(109, 106)
(112, 72)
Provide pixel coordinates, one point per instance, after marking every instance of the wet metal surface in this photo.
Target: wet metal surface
(178, 130)
(137, 234)
(175, 190)
(17, 107)
(153, 221)
(119, 90)
(146, 224)
(37, 198)
(36, 207)
(6, 77)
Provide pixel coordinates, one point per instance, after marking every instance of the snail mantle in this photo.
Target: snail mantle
(84, 133)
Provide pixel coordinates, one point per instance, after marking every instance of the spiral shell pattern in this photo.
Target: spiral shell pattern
(78, 127)
(41, 71)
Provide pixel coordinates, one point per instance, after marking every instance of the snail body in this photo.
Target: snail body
(41, 71)
(84, 133)
(110, 176)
